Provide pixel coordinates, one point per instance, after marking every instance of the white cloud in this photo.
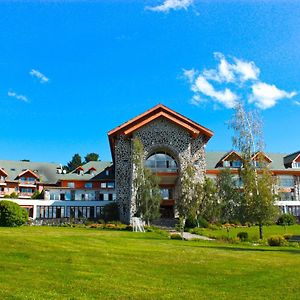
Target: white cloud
(231, 80)
(267, 95)
(17, 96)
(168, 5)
(226, 96)
(189, 74)
(39, 75)
(246, 69)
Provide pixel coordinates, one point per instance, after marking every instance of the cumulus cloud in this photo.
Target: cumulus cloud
(168, 5)
(232, 79)
(17, 96)
(267, 95)
(42, 78)
(225, 97)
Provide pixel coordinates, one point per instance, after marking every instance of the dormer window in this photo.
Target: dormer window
(107, 172)
(92, 171)
(296, 165)
(226, 164)
(236, 164)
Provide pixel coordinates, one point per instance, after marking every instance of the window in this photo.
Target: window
(110, 197)
(167, 194)
(286, 196)
(105, 197)
(286, 181)
(88, 185)
(103, 185)
(296, 165)
(226, 164)
(236, 163)
(161, 162)
(26, 190)
(107, 172)
(71, 185)
(111, 185)
(101, 198)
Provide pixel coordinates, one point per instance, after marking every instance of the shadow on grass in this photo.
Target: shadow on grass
(236, 248)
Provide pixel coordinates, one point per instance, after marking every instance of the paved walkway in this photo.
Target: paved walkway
(191, 236)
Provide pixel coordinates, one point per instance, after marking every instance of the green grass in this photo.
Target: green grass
(78, 263)
(253, 231)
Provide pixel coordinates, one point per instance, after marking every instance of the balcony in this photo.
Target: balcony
(25, 195)
(30, 183)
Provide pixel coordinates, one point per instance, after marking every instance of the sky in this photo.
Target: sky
(70, 71)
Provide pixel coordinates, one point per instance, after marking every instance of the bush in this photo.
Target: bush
(111, 212)
(287, 236)
(13, 195)
(191, 223)
(175, 236)
(286, 220)
(243, 236)
(276, 240)
(11, 214)
(202, 222)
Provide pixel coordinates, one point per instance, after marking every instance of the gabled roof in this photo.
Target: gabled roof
(28, 171)
(289, 159)
(100, 166)
(3, 172)
(154, 113)
(229, 155)
(260, 154)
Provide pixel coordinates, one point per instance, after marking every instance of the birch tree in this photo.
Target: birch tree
(145, 186)
(258, 199)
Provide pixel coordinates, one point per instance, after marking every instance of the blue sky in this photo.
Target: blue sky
(70, 70)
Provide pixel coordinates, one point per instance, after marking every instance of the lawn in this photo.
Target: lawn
(253, 231)
(80, 263)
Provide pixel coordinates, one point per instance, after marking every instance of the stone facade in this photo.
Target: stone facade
(158, 135)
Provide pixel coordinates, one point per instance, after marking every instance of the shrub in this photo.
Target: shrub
(11, 214)
(286, 220)
(287, 236)
(111, 212)
(176, 236)
(213, 227)
(276, 240)
(191, 223)
(13, 195)
(202, 222)
(243, 236)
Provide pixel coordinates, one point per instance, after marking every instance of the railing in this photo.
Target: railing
(26, 182)
(25, 194)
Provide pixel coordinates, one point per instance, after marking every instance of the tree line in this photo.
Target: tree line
(77, 161)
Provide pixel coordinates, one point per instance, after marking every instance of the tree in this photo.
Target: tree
(91, 157)
(149, 204)
(75, 162)
(11, 214)
(258, 199)
(145, 186)
(229, 196)
(186, 203)
(209, 204)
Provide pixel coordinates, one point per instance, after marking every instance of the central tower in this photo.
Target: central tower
(171, 141)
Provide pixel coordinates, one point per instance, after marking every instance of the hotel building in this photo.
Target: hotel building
(170, 141)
